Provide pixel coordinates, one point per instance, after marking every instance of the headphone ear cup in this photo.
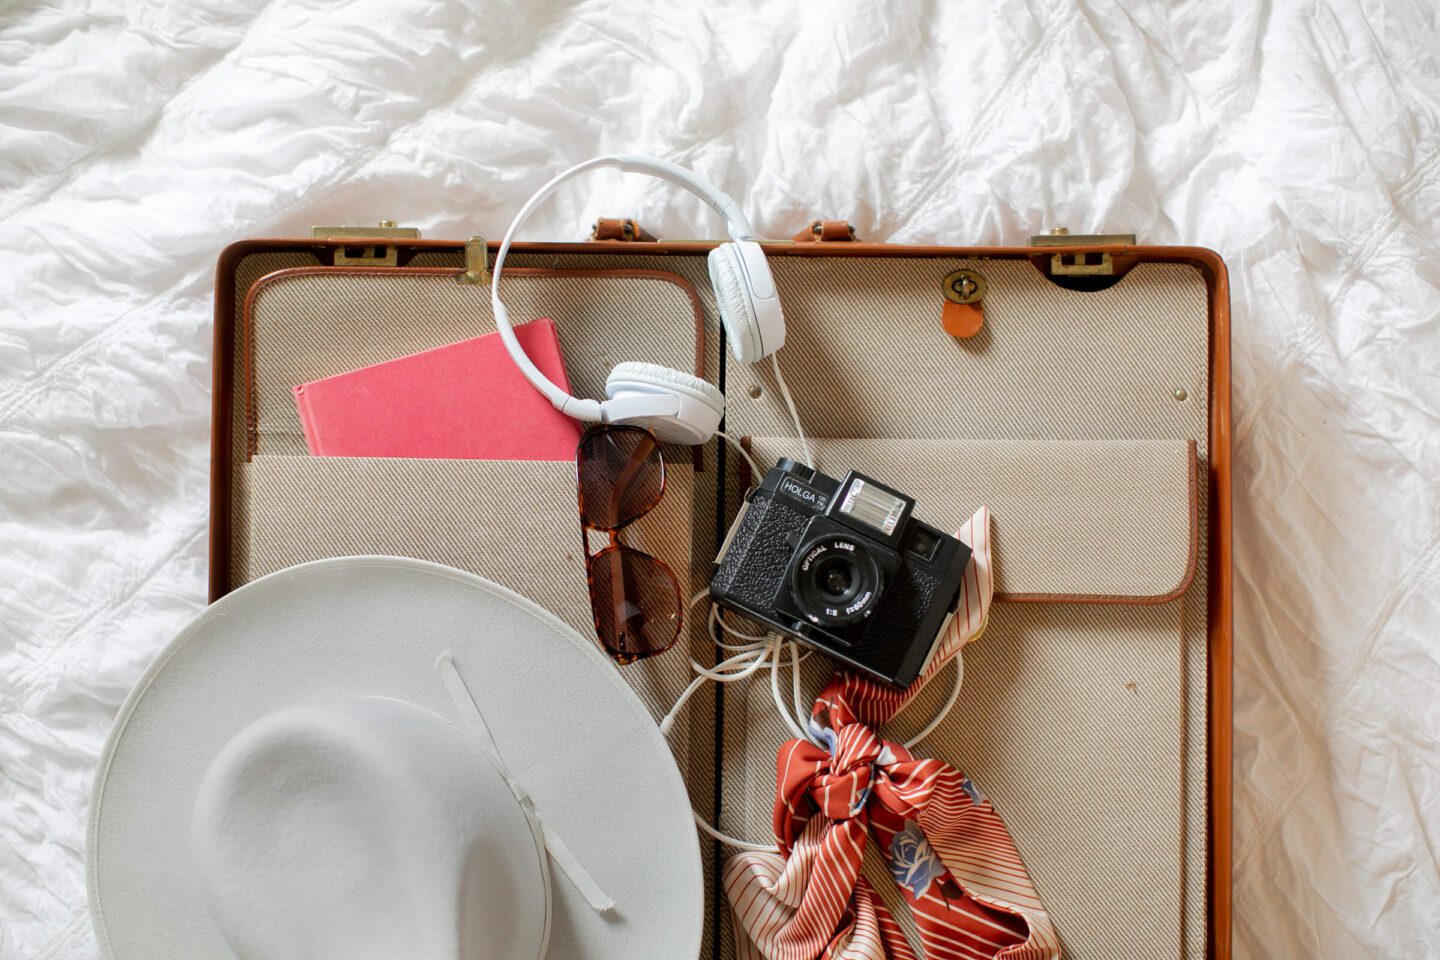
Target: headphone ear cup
(665, 378)
(702, 404)
(734, 303)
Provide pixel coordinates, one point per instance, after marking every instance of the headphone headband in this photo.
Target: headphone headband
(718, 200)
(736, 223)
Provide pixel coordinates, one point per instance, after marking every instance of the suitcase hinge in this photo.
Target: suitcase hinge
(367, 251)
(1091, 264)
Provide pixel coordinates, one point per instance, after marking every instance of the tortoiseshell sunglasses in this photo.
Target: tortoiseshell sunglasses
(635, 598)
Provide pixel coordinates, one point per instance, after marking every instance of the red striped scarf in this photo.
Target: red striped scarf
(951, 857)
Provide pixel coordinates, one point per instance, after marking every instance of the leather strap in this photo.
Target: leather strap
(826, 231)
(615, 228)
(962, 320)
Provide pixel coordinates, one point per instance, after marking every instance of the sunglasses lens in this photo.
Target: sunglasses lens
(621, 476)
(636, 602)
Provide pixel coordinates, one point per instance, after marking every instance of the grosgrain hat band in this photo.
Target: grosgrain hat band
(472, 722)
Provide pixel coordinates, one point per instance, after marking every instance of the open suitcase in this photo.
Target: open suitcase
(1090, 413)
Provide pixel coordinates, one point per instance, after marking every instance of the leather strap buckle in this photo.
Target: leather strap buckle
(827, 231)
(615, 228)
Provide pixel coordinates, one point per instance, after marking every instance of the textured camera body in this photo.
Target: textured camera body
(798, 516)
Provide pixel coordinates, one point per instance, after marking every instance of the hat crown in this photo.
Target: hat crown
(367, 827)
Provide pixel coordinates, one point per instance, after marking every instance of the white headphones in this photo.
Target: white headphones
(676, 406)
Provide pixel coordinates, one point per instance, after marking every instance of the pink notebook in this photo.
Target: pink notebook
(463, 401)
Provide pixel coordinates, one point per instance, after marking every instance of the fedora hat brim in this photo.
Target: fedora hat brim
(569, 729)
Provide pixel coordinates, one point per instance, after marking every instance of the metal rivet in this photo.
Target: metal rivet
(755, 393)
(1180, 393)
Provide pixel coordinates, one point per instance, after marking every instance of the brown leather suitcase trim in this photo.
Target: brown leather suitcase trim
(826, 231)
(623, 229)
(1219, 824)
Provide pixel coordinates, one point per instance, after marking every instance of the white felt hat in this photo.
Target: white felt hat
(370, 757)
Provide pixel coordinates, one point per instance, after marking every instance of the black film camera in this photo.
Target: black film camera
(841, 566)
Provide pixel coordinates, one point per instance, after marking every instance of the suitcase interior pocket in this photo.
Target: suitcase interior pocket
(514, 522)
(1072, 714)
(1086, 521)
(306, 325)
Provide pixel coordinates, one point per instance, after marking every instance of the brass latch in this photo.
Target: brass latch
(963, 312)
(367, 252)
(1091, 264)
(477, 262)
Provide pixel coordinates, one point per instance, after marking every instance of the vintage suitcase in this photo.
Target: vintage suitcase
(1090, 412)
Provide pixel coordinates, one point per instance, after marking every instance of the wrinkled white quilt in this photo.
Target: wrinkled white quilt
(1297, 138)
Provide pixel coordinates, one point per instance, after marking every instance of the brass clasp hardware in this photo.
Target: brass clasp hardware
(964, 286)
(477, 262)
(367, 252)
(1090, 264)
(963, 312)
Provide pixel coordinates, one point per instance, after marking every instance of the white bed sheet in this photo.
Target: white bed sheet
(1298, 138)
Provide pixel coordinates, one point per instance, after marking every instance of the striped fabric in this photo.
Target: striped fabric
(949, 853)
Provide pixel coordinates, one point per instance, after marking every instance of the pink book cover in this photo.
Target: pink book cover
(462, 401)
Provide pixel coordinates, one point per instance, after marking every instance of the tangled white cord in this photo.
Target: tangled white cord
(790, 405)
(746, 659)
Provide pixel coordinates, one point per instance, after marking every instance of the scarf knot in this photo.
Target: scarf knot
(844, 779)
(852, 769)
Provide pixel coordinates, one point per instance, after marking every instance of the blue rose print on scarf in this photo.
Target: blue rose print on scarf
(913, 862)
(972, 791)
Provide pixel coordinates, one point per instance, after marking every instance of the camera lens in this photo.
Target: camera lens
(835, 581)
(836, 578)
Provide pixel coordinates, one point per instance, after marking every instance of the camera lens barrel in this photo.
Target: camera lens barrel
(835, 581)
